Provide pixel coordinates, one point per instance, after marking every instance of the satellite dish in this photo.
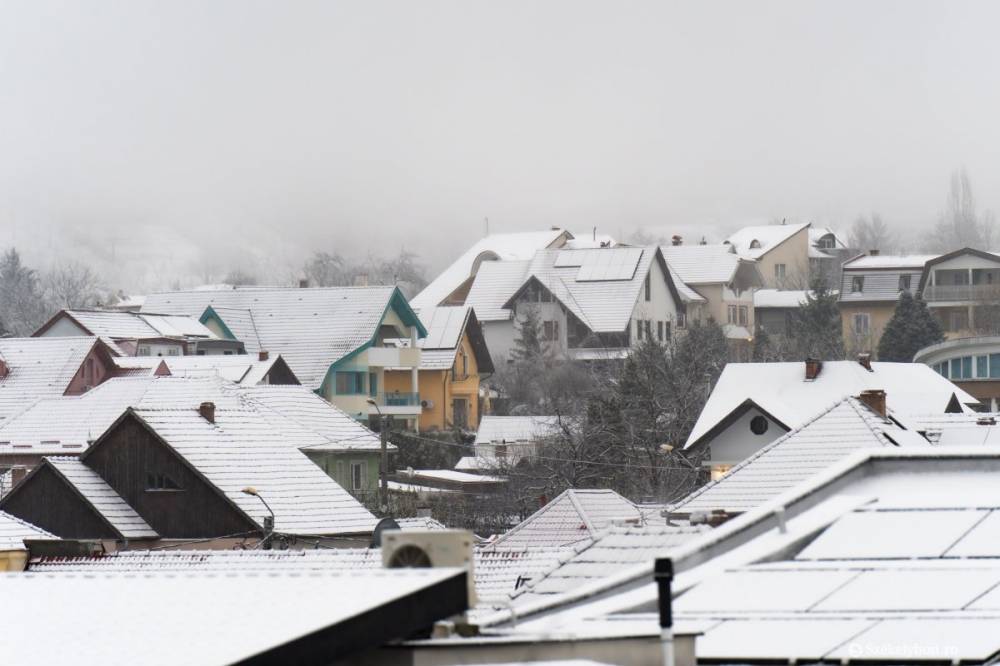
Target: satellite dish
(382, 526)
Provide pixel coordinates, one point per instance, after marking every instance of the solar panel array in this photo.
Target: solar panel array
(609, 264)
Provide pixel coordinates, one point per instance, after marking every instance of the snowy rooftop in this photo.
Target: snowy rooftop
(501, 429)
(495, 247)
(119, 325)
(702, 264)
(494, 283)
(250, 615)
(782, 390)
(39, 367)
(238, 368)
(756, 241)
(779, 298)
(13, 532)
(574, 517)
(309, 328)
(886, 261)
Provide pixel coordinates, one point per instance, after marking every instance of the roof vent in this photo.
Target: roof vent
(874, 399)
(262, 355)
(866, 361)
(207, 411)
(676, 240)
(813, 368)
(304, 283)
(986, 421)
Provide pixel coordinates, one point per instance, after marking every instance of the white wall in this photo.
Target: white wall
(64, 327)
(660, 307)
(737, 442)
(500, 336)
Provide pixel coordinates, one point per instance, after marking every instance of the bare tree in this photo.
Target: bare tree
(73, 286)
(961, 224)
(872, 233)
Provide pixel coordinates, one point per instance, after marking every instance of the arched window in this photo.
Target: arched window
(755, 244)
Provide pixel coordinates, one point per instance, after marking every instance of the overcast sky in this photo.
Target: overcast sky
(207, 134)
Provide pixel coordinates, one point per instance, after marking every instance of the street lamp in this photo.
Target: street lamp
(383, 435)
(268, 520)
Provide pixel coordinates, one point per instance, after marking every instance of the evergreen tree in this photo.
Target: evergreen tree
(816, 328)
(22, 303)
(911, 328)
(528, 343)
(765, 350)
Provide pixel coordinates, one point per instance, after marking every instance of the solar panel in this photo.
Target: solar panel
(891, 534)
(610, 264)
(937, 589)
(982, 541)
(907, 640)
(772, 590)
(772, 639)
(571, 258)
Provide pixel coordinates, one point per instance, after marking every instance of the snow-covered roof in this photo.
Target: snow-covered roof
(242, 448)
(104, 499)
(420, 523)
(239, 368)
(501, 429)
(702, 264)
(494, 283)
(119, 325)
(64, 425)
(39, 367)
(265, 617)
(756, 241)
(310, 328)
(617, 548)
(779, 298)
(782, 390)
(495, 247)
(501, 571)
(13, 532)
(885, 261)
(444, 326)
(573, 517)
(450, 476)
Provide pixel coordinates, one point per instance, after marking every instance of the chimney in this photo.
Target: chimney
(207, 411)
(986, 421)
(262, 355)
(873, 253)
(874, 399)
(304, 283)
(865, 360)
(17, 475)
(813, 368)
(4, 370)
(542, 501)
(676, 240)
(361, 280)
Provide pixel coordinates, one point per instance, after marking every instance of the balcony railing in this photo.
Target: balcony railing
(962, 292)
(400, 399)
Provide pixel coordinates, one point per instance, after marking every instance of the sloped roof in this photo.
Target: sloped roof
(769, 236)
(500, 571)
(102, 497)
(834, 433)
(13, 532)
(310, 328)
(68, 424)
(118, 324)
(514, 428)
(780, 298)
(702, 264)
(243, 449)
(223, 561)
(494, 283)
(241, 325)
(883, 261)
(495, 247)
(39, 367)
(239, 368)
(615, 549)
(782, 390)
(444, 326)
(572, 517)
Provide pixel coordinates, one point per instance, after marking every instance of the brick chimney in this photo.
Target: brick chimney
(17, 474)
(207, 411)
(304, 283)
(813, 368)
(262, 355)
(874, 399)
(676, 240)
(4, 370)
(866, 361)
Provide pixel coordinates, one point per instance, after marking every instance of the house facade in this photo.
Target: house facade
(962, 289)
(972, 364)
(338, 341)
(782, 253)
(454, 359)
(870, 288)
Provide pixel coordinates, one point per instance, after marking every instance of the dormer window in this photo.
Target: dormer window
(858, 283)
(160, 481)
(904, 282)
(755, 244)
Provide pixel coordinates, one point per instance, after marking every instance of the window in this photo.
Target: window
(958, 320)
(994, 366)
(160, 481)
(759, 425)
(666, 326)
(659, 331)
(732, 314)
(350, 383)
(862, 323)
(755, 244)
(744, 314)
(648, 287)
(142, 351)
(359, 473)
(550, 331)
(904, 282)
(858, 283)
(681, 319)
(173, 351)
(373, 384)
(942, 369)
(966, 367)
(779, 271)
(639, 328)
(982, 363)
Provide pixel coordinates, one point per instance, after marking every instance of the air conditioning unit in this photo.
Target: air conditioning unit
(427, 404)
(430, 549)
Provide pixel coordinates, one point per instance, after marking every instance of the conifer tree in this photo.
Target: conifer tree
(816, 328)
(911, 328)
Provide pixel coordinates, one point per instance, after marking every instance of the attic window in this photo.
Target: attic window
(156, 481)
(755, 244)
(759, 425)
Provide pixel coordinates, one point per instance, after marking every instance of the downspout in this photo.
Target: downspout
(663, 574)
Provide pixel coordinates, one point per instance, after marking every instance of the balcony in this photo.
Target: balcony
(961, 292)
(393, 357)
(398, 403)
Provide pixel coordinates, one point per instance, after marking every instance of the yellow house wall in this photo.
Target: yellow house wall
(794, 253)
(437, 386)
(879, 313)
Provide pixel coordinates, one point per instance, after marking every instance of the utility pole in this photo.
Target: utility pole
(383, 433)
